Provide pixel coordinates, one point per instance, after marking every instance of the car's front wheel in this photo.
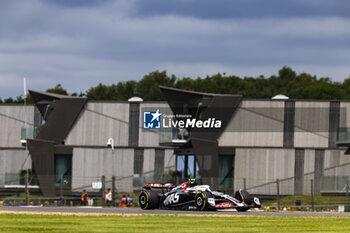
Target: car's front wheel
(201, 200)
(244, 196)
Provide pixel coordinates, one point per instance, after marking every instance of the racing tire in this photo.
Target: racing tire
(148, 199)
(201, 201)
(244, 196)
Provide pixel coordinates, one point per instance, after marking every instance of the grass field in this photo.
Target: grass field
(10, 222)
(306, 200)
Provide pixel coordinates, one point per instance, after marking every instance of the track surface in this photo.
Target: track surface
(96, 210)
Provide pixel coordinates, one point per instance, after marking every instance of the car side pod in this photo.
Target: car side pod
(148, 199)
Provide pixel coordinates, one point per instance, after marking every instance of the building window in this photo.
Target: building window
(63, 170)
(138, 162)
(159, 163)
(134, 113)
(187, 166)
(226, 171)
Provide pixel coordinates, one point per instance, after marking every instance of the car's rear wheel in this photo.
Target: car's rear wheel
(201, 200)
(148, 199)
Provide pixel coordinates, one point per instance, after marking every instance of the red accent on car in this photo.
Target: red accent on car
(224, 205)
(155, 185)
(184, 186)
(168, 185)
(158, 185)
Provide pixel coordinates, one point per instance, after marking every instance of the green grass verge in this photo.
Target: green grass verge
(324, 202)
(169, 223)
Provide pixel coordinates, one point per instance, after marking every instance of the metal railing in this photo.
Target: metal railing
(29, 133)
(169, 136)
(275, 194)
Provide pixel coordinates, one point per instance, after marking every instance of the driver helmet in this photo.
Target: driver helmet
(192, 183)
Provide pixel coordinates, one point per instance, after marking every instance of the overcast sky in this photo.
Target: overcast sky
(80, 43)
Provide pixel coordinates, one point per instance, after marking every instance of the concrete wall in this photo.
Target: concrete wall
(262, 166)
(344, 114)
(169, 161)
(100, 121)
(11, 162)
(344, 122)
(90, 164)
(336, 163)
(311, 124)
(309, 169)
(148, 161)
(333, 166)
(12, 118)
(336, 171)
(256, 123)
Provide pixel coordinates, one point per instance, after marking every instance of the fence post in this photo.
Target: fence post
(244, 183)
(27, 188)
(347, 196)
(278, 193)
(103, 178)
(312, 196)
(113, 191)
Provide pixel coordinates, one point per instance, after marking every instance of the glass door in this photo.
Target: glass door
(226, 171)
(63, 170)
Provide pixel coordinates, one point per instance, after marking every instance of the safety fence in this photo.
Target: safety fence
(329, 193)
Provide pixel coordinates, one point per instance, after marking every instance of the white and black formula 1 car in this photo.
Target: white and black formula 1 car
(190, 196)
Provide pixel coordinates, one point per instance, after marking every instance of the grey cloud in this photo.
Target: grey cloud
(228, 9)
(82, 46)
(77, 3)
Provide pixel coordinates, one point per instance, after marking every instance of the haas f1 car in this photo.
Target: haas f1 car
(190, 196)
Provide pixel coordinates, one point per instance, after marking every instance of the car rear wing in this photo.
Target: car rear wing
(160, 185)
(166, 187)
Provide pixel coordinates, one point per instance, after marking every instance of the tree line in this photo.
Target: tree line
(287, 82)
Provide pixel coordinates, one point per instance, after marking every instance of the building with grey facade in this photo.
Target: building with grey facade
(258, 142)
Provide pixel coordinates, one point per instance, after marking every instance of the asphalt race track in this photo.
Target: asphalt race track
(97, 210)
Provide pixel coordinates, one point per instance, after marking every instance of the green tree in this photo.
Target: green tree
(100, 92)
(287, 82)
(81, 94)
(148, 87)
(346, 88)
(9, 101)
(58, 89)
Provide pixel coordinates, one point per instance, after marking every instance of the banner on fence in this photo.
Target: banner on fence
(97, 185)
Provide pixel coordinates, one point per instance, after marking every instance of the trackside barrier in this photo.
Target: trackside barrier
(276, 193)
